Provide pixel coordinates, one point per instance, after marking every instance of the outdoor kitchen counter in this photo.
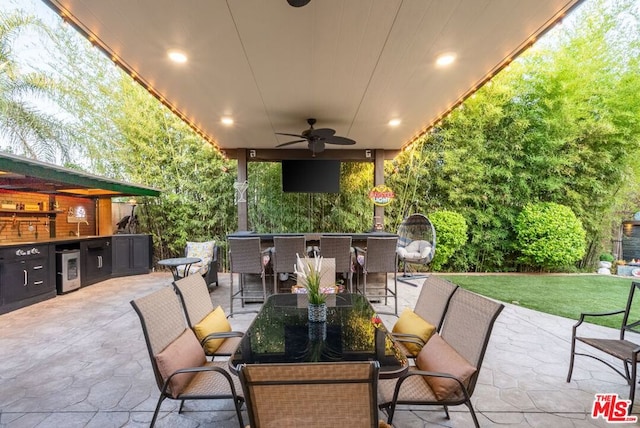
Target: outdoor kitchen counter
(28, 270)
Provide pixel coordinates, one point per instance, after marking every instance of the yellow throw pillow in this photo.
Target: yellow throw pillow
(215, 322)
(411, 323)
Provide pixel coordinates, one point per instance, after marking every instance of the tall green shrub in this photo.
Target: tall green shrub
(549, 236)
(451, 235)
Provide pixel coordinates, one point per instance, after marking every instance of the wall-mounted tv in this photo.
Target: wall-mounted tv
(311, 176)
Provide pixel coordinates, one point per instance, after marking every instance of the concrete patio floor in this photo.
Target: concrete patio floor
(79, 360)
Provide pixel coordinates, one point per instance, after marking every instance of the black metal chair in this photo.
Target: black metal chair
(620, 348)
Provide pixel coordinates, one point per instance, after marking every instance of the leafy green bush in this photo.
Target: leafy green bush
(451, 235)
(549, 236)
(607, 257)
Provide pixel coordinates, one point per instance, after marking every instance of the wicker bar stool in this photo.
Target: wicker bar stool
(245, 257)
(284, 255)
(339, 248)
(380, 257)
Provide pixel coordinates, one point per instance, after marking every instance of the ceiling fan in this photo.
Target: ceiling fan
(317, 138)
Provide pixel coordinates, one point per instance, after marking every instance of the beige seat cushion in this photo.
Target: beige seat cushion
(182, 353)
(411, 323)
(438, 356)
(201, 250)
(215, 322)
(416, 250)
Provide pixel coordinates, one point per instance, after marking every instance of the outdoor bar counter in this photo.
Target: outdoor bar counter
(357, 239)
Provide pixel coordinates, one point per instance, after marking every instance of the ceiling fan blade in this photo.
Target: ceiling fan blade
(290, 135)
(343, 141)
(323, 133)
(290, 142)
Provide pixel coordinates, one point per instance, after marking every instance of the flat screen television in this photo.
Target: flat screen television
(311, 176)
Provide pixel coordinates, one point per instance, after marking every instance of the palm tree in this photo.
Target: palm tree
(24, 127)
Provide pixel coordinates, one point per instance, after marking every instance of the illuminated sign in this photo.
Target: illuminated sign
(381, 195)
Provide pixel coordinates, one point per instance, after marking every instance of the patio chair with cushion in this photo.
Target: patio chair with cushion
(208, 323)
(446, 369)
(208, 252)
(414, 327)
(311, 394)
(179, 364)
(621, 348)
(284, 255)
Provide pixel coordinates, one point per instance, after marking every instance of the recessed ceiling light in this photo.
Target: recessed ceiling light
(177, 56)
(395, 122)
(227, 121)
(445, 59)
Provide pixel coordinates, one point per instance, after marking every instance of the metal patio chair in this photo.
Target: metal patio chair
(179, 364)
(202, 316)
(621, 348)
(431, 306)
(311, 395)
(446, 369)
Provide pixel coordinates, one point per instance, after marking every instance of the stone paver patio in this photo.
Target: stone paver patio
(79, 360)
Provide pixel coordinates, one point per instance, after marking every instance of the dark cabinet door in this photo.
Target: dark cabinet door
(121, 254)
(140, 253)
(131, 254)
(96, 260)
(23, 279)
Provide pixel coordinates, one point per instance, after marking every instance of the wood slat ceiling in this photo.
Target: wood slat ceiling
(352, 64)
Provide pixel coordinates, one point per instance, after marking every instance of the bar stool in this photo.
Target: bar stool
(380, 257)
(284, 255)
(339, 248)
(245, 257)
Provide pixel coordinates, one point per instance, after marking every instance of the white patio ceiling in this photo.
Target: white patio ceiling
(354, 65)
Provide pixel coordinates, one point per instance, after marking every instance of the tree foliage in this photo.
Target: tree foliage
(451, 235)
(549, 236)
(27, 129)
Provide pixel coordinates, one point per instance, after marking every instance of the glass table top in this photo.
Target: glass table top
(281, 333)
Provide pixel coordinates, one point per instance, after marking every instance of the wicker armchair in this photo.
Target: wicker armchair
(209, 265)
(202, 317)
(311, 395)
(339, 248)
(178, 361)
(447, 367)
(380, 257)
(431, 307)
(621, 348)
(245, 257)
(283, 255)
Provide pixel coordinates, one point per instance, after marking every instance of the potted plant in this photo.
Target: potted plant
(308, 273)
(604, 267)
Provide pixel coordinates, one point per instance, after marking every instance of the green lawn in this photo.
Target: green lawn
(563, 295)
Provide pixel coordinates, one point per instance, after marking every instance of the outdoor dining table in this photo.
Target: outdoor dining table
(175, 262)
(281, 333)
